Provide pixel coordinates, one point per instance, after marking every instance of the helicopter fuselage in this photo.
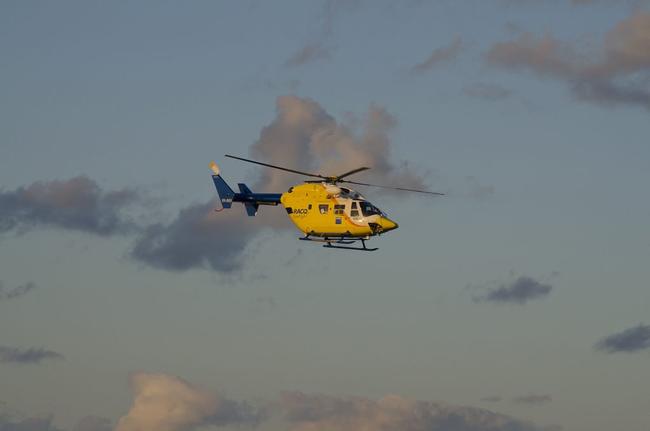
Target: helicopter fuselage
(326, 210)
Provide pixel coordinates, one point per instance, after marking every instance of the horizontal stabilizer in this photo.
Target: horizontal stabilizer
(251, 200)
(251, 209)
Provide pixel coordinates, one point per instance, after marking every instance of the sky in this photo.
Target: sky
(519, 301)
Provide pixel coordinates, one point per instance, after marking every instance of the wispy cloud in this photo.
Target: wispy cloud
(533, 399)
(318, 46)
(16, 292)
(519, 291)
(309, 53)
(621, 76)
(476, 190)
(629, 340)
(14, 355)
(443, 54)
(486, 91)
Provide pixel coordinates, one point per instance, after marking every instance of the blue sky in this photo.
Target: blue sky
(522, 292)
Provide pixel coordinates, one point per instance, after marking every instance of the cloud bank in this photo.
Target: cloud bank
(321, 412)
(620, 75)
(167, 403)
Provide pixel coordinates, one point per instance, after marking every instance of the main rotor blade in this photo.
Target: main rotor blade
(353, 171)
(404, 189)
(277, 167)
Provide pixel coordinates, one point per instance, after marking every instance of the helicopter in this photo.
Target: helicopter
(325, 212)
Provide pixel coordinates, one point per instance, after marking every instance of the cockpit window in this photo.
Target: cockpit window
(369, 209)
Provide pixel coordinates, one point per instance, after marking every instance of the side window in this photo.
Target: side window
(354, 213)
(323, 208)
(354, 205)
(339, 209)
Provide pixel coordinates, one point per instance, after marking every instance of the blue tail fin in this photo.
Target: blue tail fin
(226, 194)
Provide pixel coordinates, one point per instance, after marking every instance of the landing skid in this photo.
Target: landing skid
(331, 242)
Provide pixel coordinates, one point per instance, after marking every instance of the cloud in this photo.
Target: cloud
(302, 136)
(520, 291)
(198, 237)
(630, 340)
(7, 423)
(619, 75)
(93, 423)
(533, 400)
(321, 412)
(163, 402)
(485, 91)
(14, 355)
(75, 204)
(16, 292)
(440, 55)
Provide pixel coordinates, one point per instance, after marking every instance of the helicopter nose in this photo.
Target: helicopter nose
(387, 224)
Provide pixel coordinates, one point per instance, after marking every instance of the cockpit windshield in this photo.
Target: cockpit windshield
(369, 209)
(347, 193)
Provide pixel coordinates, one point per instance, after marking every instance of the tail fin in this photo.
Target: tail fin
(251, 200)
(226, 194)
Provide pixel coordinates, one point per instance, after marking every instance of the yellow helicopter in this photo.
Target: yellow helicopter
(322, 210)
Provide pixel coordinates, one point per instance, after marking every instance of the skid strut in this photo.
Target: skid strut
(340, 242)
